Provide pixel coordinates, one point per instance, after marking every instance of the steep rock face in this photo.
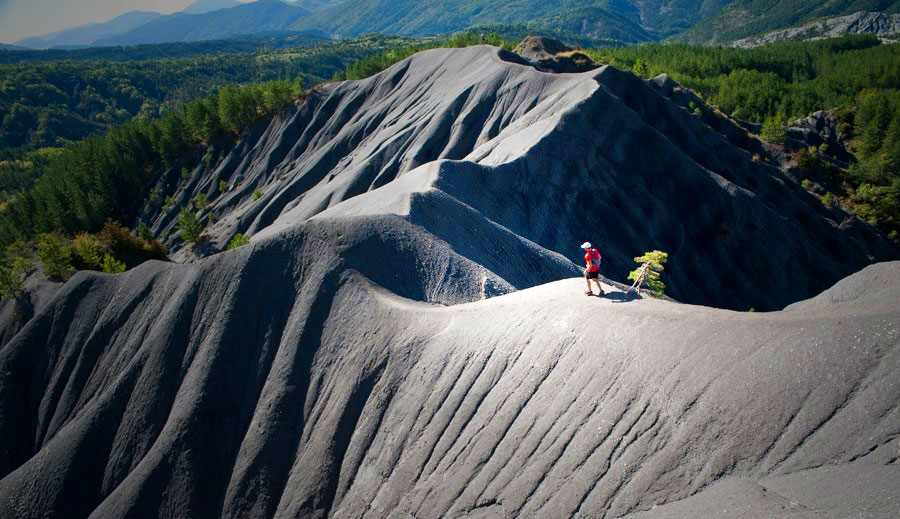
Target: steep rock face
(553, 158)
(821, 130)
(880, 24)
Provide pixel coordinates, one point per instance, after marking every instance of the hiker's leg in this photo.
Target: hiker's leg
(587, 280)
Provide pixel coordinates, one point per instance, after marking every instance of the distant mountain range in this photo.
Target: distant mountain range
(88, 34)
(244, 19)
(205, 6)
(626, 21)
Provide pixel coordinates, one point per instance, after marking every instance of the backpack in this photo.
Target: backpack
(595, 259)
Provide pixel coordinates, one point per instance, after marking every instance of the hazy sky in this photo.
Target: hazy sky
(22, 18)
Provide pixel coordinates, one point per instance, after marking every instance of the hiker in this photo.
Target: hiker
(592, 267)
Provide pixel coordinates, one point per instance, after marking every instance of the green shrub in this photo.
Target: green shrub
(828, 199)
(88, 251)
(257, 194)
(223, 186)
(111, 265)
(11, 284)
(14, 270)
(640, 68)
(774, 129)
(55, 255)
(118, 241)
(807, 183)
(201, 201)
(144, 232)
(651, 265)
(238, 240)
(190, 227)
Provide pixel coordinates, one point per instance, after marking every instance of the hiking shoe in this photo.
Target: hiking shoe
(589, 293)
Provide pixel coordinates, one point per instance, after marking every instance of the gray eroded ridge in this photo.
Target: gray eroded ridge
(418, 346)
(499, 160)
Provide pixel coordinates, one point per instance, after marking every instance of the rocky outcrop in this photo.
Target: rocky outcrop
(549, 55)
(880, 24)
(821, 130)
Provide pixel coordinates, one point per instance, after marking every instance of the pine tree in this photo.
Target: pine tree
(191, 230)
(774, 129)
(111, 265)
(648, 273)
(55, 255)
(238, 240)
(640, 68)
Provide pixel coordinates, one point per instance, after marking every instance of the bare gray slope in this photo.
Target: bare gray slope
(552, 158)
(278, 380)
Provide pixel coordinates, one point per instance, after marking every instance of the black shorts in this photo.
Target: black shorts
(592, 275)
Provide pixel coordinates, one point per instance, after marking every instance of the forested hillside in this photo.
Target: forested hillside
(856, 76)
(619, 19)
(94, 184)
(250, 44)
(47, 104)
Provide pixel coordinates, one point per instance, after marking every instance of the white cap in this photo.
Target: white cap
(586, 245)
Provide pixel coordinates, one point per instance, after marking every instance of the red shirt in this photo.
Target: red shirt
(587, 259)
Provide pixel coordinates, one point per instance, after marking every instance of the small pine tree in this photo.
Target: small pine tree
(55, 255)
(190, 227)
(238, 240)
(640, 68)
(201, 201)
(774, 129)
(88, 250)
(144, 232)
(11, 285)
(651, 265)
(12, 278)
(223, 186)
(111, 265)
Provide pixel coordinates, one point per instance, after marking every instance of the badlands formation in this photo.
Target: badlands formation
(406, 334)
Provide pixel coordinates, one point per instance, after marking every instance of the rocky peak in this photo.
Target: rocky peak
(549, 55)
